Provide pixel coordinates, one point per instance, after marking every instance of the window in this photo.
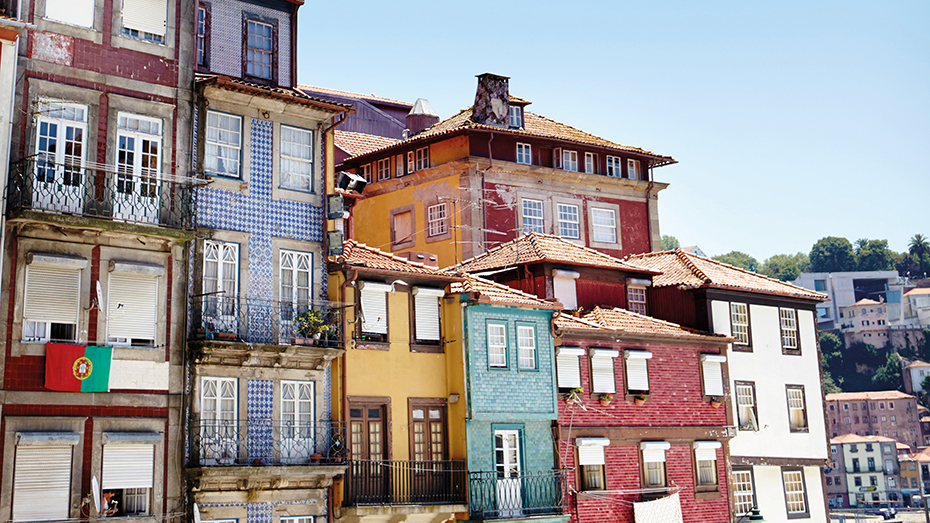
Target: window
(868, 447)
(145, 20)
(712, 374)
(297, 421)
(832, 449)
(795, 494)
(402, 228)
(427, 430)
(42, 477)
(296, 279)
(524, 154)
(632, 170)
(399, 165)
(603, 225)
(411, 163)
(259, 49)
(132, 304)
(590, 163)
(52, 298)
(218, 420)
(422, 155)
(797, 412)
(220, 286)
(602, 371)
(739, 325)
(883, 419)
(636, 299)
(426, 314)
(128, 470)
(871, 462)
(568, 368)
(437, 220)
(297, 159)
(614, 167)
(653, 453)
(297, 519)
(223, 144)
(857, 481)
(203, 34)
(374, 310)
(60, 140)
(743, 494)
(526, 347)
(138, 168)
(365, 172)
(533, 216)
(637, 371)
(497, 345)
(80, 12)
(384, 169)
(592, 462)
(846, 420)
(516, 116)
(789, 331)
(820, 285)
(568, 221)
(746, 410)
(873, 481)
(367, 424)
(705, 461)
(570, 160)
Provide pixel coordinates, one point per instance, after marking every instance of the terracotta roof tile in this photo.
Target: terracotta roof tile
(855, 438)
(535, 247)
(622, 320)
(917, 364)
(284, 93)
(360, 255)
(916, 291)
(492, 292)
(361, 143)
(865, 301)
(517, 100)
(681, 268)
(349, 94)
(868, 396)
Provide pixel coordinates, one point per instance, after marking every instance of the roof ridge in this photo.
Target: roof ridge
(391, 256)
(682, 255)
(508, 289)
(753, 273)
(619, 145)
(582, 320)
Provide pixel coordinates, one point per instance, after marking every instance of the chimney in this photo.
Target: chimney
(492, 100)
(421, 117)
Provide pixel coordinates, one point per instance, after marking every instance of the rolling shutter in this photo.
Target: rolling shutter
(132, 306)
(374, 307)
(52, 294)
(602, 370)
(128, 466)
(426, 309)
(148, 16)
(713, 373)
(706, 450)
(654, 451)
(567, 367)
(42, 483)
(591, 450)
(637, 370)
(563, 286)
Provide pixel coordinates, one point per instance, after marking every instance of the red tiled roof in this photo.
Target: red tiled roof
(917, 290)
(865, 301)
(517, 100)
(492, 292)
(357, 254)
(533, 125)
(868, 396)
(535, 247)
(360, 143)
(621, 320)
(917, 364)
(855, 438)
(281, 93)
(349, 94)
(684, 269)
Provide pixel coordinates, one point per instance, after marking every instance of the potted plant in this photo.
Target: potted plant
(576, 312)
(574, 396)
(310, 325)
(226, 333)
(605, 399)
(639, 399)
(715, 402)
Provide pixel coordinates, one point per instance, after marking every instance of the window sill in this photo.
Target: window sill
(372, 345)
(803, 430)
(803, 515)
(706, 494)
(425, 347)
(741, 348)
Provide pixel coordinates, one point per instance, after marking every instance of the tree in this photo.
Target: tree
(906, 265)
(670, 243)
(919, 246)
(888, 376)
(738, 259)
(782, 267)
(873, 255)
(925, 384)
(803, 261)
(832, 254)
(830, 386)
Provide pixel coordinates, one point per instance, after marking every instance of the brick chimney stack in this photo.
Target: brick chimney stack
(492, 100)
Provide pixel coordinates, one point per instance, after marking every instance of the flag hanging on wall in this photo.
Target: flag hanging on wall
(77, 368)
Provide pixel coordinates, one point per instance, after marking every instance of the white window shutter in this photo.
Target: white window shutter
(132, 306)
(705, 450)
(426, 307)
(128, 466)
(77, 12)
(42, 483)
(563, 286)
(602, 370)
(712, 370)
(568, 367)
(52, 294)
(654, 451)
(637, 369)
(557, 158)
(374, 307)
(591, 450)
(149, 16)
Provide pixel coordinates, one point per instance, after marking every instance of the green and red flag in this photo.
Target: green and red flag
(77, 368)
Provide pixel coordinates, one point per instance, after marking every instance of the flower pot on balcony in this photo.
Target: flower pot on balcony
(226, 335)
(716, 404)
(315, 458)
(639, 400)
(605, 399)
(302, 341)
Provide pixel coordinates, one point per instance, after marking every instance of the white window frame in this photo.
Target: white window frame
(411, 163)
(58, 169)
(797, 409)
(516, 117)
(795, 491)
(297, 157)
(427, 314)
(227, 141)
(569, 226)
(133, 472)
(537, 223)
(590, 163)
(294, 519)
(59, 298)
(225, 256)
(568, 367)
(437, 219)
(591, 461)
(135, 178)
(526, 347)
(746, 407)
(602, 223)
(739, 321)
(135, 296)
(524, 153)
(788, 321)
(201, 31)
(744, 498)
(497, 345)
(636, 299)
(298, 417)
(653, 459)
(219, 426)
(633, 169)
(294, 297)
(146, 20)
(705, 461)
(384, 169)
(364, 171)
(636, 369)
(54, 489)
(256, 67)
(712, 374)
(614, 167)
(375, 295)
(569, 160)
(422, 158)
(603, 371)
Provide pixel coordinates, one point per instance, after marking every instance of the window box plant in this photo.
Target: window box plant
(310, 326)
(574, 396)
(605, 399)
(639, 399)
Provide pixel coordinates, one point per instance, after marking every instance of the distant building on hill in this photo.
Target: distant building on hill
(846, 288)
(890, 414)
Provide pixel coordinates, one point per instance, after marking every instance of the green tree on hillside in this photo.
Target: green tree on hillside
(670, 243)
(782, 267)
(919, 248)
(832, 254)
(873, 255)
(888, 376)
(738, 259)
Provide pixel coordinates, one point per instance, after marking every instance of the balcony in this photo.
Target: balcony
(61, 190)
(382, 482)
(265, 443)
(523, 494)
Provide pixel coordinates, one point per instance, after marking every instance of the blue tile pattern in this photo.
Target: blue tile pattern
(226, 38)
(260, 408)
(259, 512)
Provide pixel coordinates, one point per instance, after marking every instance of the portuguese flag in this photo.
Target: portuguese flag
(77, 368)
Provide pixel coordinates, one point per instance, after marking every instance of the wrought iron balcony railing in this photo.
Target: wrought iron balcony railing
(383, 482)
(263, 442)
(255, 320)
(499, 495)
(98, 192)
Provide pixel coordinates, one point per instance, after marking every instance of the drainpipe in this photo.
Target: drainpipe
(294, 46)
(345, 394)
(648, 214)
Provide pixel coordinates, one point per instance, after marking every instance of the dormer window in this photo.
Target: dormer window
(259, 48)
(516, 117)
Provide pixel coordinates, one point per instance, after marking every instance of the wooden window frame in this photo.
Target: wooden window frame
(411, 163)
(645, 301)
(366, 171)
(542, 218)
(755, 402)
(638, 168)
(422, 160)
(426, 404)
(423, 346)
(740, 347)
(559, 221)
(614, 167)
(382, 344)
(515, 117)
(581, 482)
(752, 483)
(532, 327)
(204, 65)
(570, 153)
(705, 491)
(796, 351)
(273, 22)
(806, 426)
(593, 158)
(807, 507)
(369, 402)
(383, 166)
(442, 222)
(411, 240)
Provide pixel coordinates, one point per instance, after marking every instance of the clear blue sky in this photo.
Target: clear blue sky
(791, 120)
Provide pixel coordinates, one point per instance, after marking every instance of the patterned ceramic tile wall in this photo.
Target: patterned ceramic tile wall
(259, 512)
(226, 38)
(260, 405)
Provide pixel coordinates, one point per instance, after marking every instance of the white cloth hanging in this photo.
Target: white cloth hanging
(664, 510)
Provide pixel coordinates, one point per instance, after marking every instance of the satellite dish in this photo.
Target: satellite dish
(196, 513)
(95, 485)
(99, 295)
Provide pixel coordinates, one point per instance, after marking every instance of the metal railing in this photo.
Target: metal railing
(263, 442)
(41, 185)
(383, 482)
(255, 320)
(496, 495)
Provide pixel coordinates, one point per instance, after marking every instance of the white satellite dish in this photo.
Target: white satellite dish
(95, 485)
(99, 295)
(196, 513)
